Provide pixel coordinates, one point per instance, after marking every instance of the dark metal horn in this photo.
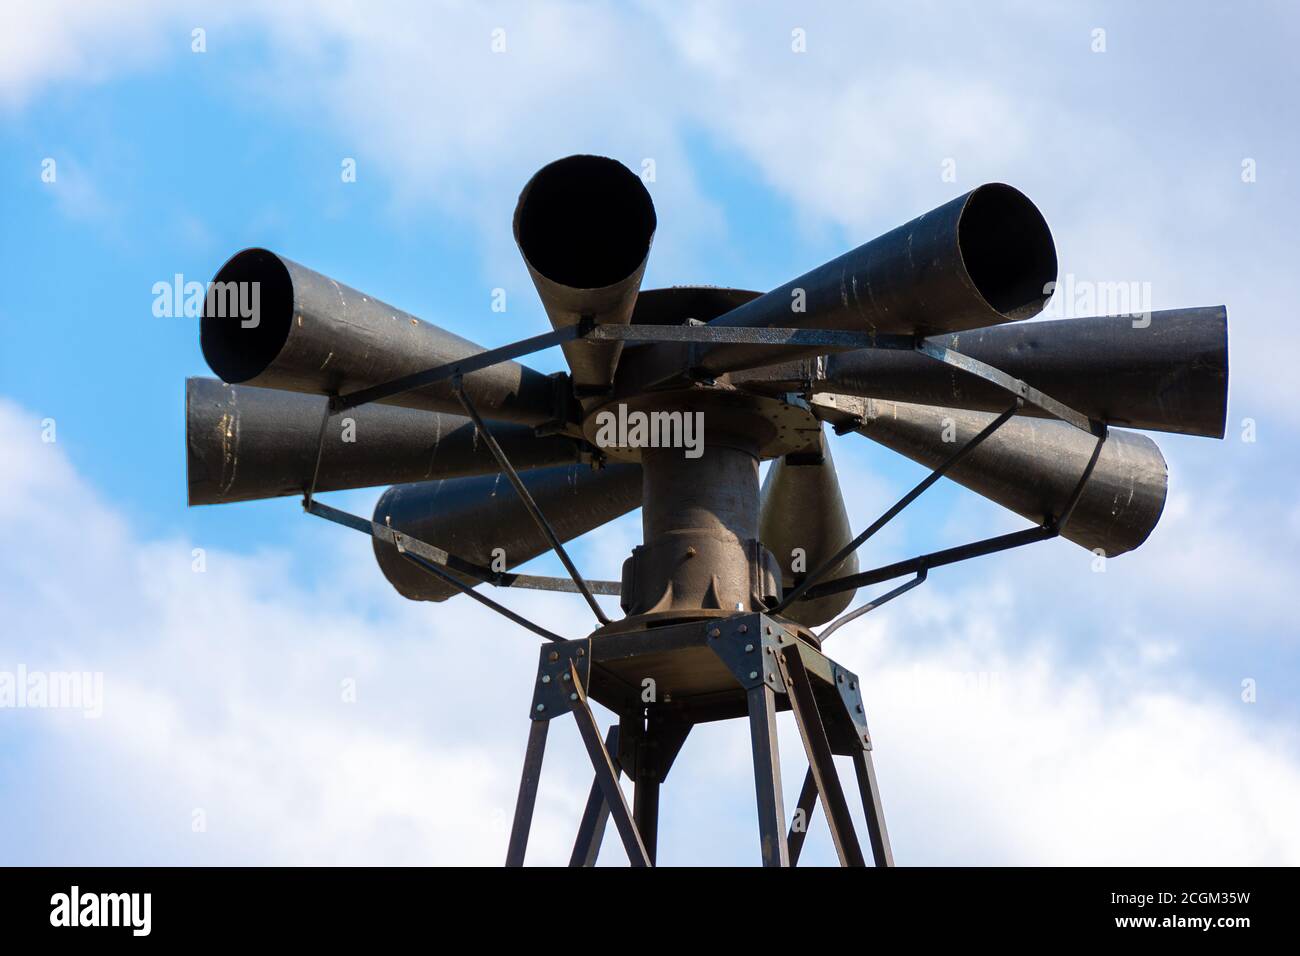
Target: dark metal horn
(307, 333)
(473, 517)
(804, 523)
(1164, 371)
(1032, 467)
(584, 225)
(982, 259)
(244, 443)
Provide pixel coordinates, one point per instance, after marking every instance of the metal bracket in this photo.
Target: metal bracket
(846, 682)
(749, 645)
(554, 693)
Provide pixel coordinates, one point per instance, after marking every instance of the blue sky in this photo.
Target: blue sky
(1106, 722)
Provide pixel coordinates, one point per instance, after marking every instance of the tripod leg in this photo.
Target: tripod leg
(821, 764)
(870, 790)
(527, 792)
(605, 775)
(802, 816)
(592, 829)
(767, 775)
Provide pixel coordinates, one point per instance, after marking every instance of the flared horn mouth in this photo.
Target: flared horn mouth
(585, 222)
(584, 226)
(1007, 250)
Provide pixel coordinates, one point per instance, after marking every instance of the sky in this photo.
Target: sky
(1026, 708)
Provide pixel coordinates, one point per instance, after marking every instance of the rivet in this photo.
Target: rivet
(841, 678)
(753, 674)
(715, 633)
(749, 647)
(540, 708)
(853, 685)
(546, 678)
(859, 708)
(582, 652)
(573, 696)
(744, 628)
(565, 677)
(553, 656)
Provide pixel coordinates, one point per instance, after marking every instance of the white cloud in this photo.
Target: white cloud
(83, 41)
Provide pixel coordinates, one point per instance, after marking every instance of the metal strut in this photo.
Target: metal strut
(870, 606)
(918, 565)
(898, 506)
(612, 803)
(540, 519)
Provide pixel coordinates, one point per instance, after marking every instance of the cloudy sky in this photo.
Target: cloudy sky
(1026, 708)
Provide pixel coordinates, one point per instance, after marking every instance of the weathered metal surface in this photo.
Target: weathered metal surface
(700, 528)
(244, 443)
(584, 225)
(471, 517)
(312, 334)
(804, 522)
(982, 259)
(1165, 372)
(1032, 467)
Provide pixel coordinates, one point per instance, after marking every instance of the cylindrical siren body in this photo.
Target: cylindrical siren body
(273, 323)
(982, 259)
(1032, 466)
(244, 443)
(472, 518)
(584, 225)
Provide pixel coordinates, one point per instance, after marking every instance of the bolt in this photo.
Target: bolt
(573, 696)
(753, 674)
(866, 739)
(749, 647)
(691, 552)
(744, 629)
(853, 685)
(859, 708)
(582, 652)
(841, 678)
(546, 678)
(565, 678)
(715, 633)
(540, 708)
(553, 656)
